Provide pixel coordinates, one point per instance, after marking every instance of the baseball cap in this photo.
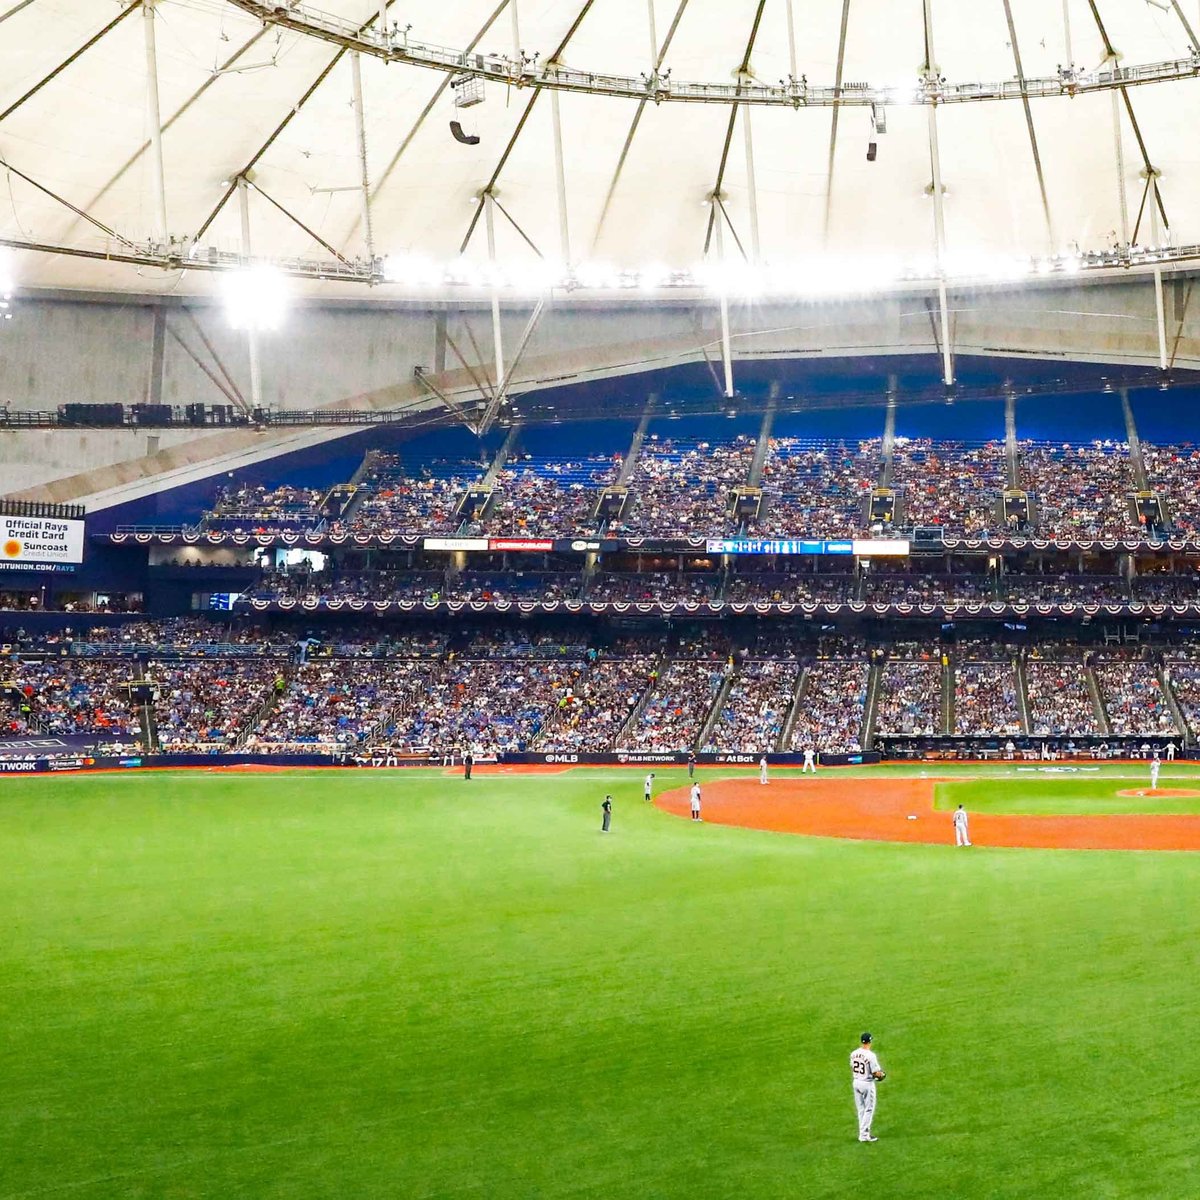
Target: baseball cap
(866, 1037)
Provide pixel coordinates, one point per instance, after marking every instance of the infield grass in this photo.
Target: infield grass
(402, 985)
(1077, 795)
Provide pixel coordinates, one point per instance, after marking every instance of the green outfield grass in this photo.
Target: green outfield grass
(402, 985)
(1074, 795)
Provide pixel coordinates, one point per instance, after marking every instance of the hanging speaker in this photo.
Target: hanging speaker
(467, 139)
(872, 150)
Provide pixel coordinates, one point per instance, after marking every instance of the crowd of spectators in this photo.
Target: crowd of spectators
(596, 707)
(910, 699)
(1173, 473)
(755, 708)
(657, 587)
(1167, 589)
(1133, 699)
(543, 497)
(919, 588)
(949, 484)
(1080, 491)
(791, 587)
(816, 488)
(673, 717)
(75, 696)
(490, 705)
(256, 509)
(342, 702)
(985, 699)
(681, 487)
(1063, 588)
(1060, 701)
(392, 501)
(1184, 677)
(832, 706)
(208, 706)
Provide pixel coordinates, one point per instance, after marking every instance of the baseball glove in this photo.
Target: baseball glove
(880, 1075)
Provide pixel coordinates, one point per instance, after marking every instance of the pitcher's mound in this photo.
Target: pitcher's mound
(1160, 793)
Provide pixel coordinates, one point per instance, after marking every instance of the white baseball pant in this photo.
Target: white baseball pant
(864, 1104)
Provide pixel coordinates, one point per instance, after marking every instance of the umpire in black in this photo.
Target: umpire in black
(468, 762)
(606, 808)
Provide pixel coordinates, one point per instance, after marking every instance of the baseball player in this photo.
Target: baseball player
(961, 837)
(1170, 752)
(1155, 767)
(810, 761)
(865, 1072)
(696, 802)
(762, 769)
(606, 808)
(648, 786)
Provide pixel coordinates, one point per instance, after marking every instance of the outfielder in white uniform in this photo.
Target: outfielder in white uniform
(865, 1072)
(810, 763)
(647, 786)
(762, 769)
(1155, 767)
(1170, 752)
(961, 838)
(696, 802)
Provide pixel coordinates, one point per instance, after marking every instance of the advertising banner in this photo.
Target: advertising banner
(30, 541)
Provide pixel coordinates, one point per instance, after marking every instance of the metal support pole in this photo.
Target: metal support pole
(497, 337)
(560, 178)
(939, 214)
(1160, 313)
(360, 131)
(653, 36)
(1070, 54)
(384, 37)
(939, 234)
(154, 119)
(1119, 147)
(726, 348)
(251, 330)
(516, 29)
(791, 28)
(751, 183)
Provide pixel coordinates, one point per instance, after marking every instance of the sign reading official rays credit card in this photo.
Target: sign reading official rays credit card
(34, 541)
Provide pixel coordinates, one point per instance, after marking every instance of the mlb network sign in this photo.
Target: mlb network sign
(31, 541)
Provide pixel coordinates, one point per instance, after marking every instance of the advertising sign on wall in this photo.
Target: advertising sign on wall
(31, 541)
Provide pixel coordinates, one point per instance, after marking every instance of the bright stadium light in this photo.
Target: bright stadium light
(255, 298)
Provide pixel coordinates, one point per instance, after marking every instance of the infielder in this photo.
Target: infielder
(865, 1072)
(762, 769)
(810, 762)
(1170, 752)
(961, 837)
(1155, 767)
(696, 802)
(648, 786)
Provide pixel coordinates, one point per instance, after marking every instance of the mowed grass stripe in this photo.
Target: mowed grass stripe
(406, 985)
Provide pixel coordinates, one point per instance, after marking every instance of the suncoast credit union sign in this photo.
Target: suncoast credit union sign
(31, 541)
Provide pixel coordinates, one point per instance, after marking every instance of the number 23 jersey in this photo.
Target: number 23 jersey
(863, 1065)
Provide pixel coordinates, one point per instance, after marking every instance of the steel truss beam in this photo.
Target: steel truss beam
(66, 62)
(516, 134)
(550, 74)
(287, 120)
(1116, 263)
(743, 74)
